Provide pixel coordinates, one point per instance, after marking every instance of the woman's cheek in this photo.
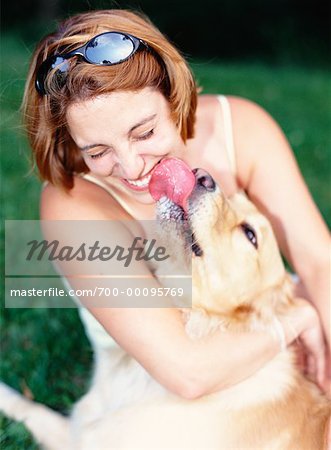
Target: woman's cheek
(100, 166)
(161, 145)
(153, 147)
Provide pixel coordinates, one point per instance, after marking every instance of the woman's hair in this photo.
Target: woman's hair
(56, 155)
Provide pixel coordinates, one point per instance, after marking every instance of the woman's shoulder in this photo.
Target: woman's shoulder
(253, 126)
(248, 110)
(246, 118)
(85, 201)
(211, 113)
(251, 123)
(255, 133)
(210, 104)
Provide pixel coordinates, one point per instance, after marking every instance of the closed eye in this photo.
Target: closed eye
(103, 150)
(249, 233)
(98, 155)
(145, 135)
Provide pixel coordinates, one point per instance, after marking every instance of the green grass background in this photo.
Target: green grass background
(44, 351)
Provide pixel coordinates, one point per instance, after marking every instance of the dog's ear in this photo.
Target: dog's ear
(286, 294)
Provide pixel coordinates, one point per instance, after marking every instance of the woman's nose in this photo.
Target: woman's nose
(131, 165)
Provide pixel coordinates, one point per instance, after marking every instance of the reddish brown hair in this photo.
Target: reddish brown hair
(55, 153)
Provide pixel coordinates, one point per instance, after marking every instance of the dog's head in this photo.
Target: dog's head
(235, 257)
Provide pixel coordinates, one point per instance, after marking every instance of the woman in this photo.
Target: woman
(101, 117)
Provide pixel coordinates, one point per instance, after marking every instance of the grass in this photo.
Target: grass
(44, 351)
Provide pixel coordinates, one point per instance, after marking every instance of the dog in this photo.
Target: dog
(240, 284)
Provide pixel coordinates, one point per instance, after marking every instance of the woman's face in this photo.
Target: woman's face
(124, 135)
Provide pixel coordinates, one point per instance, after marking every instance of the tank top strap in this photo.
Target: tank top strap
(228, 133)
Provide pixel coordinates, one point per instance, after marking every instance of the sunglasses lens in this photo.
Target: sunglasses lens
(109, 48)
(60, 64)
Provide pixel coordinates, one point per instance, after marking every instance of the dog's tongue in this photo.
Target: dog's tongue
(174, 179)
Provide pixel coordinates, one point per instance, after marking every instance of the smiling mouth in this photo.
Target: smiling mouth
(141, 183)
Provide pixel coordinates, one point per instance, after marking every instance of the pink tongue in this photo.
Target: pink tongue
(174, 179)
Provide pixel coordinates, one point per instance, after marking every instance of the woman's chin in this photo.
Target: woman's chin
(145, 198)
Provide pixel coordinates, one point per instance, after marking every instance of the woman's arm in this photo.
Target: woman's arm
(156, 337)
(267, 170)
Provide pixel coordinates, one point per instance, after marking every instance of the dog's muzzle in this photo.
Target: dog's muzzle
(169, 212)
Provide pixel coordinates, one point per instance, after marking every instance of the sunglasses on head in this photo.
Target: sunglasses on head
(105, 49)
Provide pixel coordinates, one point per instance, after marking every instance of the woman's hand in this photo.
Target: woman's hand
(302, 326)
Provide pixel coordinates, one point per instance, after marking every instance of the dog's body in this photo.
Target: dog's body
(276, 408)
(125, 408)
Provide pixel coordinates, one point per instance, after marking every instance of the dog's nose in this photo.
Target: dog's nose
(204, 180)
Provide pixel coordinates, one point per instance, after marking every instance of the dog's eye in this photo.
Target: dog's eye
(249, 233)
